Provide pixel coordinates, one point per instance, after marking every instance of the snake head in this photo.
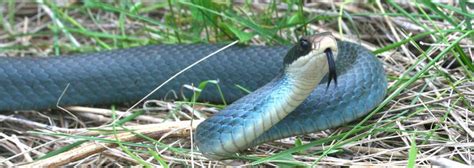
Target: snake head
(315, 53)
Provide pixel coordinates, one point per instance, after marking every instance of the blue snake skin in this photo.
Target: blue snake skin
(361, 87)
(127, 75)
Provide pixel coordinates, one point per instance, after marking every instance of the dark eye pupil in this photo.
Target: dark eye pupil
(304, 44)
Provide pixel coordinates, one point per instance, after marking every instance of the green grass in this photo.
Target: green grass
(94, 26)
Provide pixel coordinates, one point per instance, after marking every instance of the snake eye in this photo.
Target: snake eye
(300, 49)
(304, 44)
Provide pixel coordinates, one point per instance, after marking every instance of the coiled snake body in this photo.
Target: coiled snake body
(127, 75)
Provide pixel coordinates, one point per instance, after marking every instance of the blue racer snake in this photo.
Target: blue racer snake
(126, 75)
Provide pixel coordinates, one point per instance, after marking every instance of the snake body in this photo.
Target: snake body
(126, 75)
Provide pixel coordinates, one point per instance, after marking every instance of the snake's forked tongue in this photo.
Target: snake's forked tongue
(332, 67)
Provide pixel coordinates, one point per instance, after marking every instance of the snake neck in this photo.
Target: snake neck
(251, 116)
(287, 94)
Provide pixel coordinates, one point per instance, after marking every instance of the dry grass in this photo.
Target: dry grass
(427, 117)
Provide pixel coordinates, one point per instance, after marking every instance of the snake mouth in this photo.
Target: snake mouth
(332, 67)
